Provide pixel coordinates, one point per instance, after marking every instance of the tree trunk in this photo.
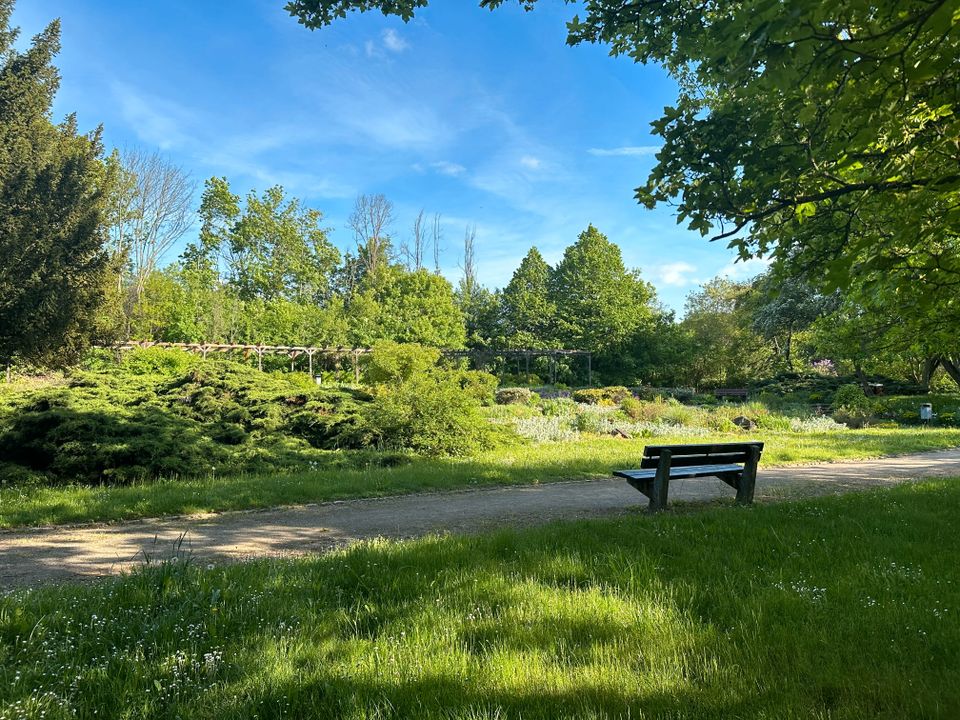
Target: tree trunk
(929, 367)
(950, 365)
(788, 348)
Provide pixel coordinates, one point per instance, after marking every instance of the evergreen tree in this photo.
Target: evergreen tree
(53, 275)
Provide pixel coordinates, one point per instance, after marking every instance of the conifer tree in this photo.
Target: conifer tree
(53, 266)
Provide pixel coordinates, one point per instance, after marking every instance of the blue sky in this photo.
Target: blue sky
(485, 117)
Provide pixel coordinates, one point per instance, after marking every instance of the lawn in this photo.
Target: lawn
(841, 607)
(585, 457)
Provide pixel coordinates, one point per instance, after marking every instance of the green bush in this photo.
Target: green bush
(158, 361)
(613, 395)
(558, 407)
(429, 413)
(396, 362)
(479, 385)
(632, 408)
(850, 398)
(851, 407)
(515, 396)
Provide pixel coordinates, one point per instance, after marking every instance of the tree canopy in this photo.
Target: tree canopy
(53, 275)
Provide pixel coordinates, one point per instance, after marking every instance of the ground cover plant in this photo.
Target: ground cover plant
(841, 607)
(163, 413)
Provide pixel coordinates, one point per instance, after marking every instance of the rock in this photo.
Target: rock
(618, 433)
(744, 422)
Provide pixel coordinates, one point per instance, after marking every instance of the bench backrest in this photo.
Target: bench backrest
(700, 454)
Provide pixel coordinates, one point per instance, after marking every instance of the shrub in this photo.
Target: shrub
(558, 407)
(632, 407)
(613, 395)
(852, 407)
(515, 396)
(850, 398)
(396, 362)
(481, 386)
(115, 427)
(777, 423)
(158, 361)
(427, 413)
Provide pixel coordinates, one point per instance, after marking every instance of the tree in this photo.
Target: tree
(273, 248)
(599, 304)
(370, 221)
(528, 313)
(53, 275)
(821, 133)
(785, 306)
(721, 347)
(418, 307)
(149, 208)
(413, 252)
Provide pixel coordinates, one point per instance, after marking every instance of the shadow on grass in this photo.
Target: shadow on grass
(841, 607)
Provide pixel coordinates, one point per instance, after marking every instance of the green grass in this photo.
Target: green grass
(523, 464)
(842, 607)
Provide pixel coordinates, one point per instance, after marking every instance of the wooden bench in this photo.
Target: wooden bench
(734, 463)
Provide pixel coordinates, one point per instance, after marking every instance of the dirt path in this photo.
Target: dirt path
(44, 555)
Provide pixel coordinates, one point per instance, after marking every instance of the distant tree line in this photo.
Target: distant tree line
(84, 237)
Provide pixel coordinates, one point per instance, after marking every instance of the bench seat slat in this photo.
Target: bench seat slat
(701, 448)
(681, 472)
(684, 460)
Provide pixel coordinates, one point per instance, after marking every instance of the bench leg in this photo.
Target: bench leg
(748, 480)
(661, 483)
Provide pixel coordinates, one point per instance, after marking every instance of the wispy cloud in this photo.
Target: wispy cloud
(390, 42)
(530, 162)
(156, 121)
(448, 168)
(393, 42)
(676, 274)
(626, 151)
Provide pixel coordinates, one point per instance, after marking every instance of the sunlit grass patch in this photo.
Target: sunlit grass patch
(838, 607)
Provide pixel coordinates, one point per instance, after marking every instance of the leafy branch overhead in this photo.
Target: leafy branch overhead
(823, 133)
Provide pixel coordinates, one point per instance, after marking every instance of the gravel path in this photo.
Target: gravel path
(31, 557)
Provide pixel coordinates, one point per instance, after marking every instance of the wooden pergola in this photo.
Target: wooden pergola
(291, 351)
(296, 351)
(525, 355)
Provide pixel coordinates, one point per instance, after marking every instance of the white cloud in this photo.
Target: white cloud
(531, 162)
(626, 151)
(676, 274)
(393, 42)
(448, 168)
(390, 42)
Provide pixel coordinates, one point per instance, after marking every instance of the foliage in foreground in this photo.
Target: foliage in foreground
(639, 617)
